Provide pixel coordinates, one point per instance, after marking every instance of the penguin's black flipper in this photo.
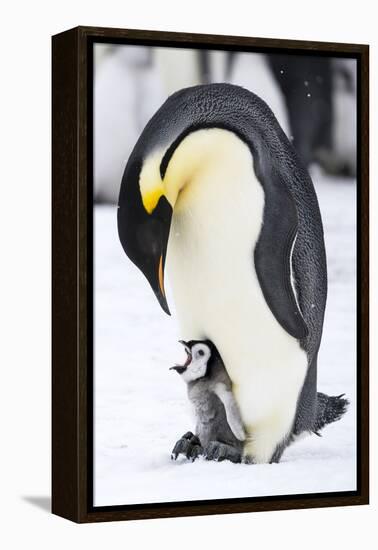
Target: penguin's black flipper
(329, 409)
(274, 250)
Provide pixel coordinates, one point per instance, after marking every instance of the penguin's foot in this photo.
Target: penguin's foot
(221, 451)
(188, 445)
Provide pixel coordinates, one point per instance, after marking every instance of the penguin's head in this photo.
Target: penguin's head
(148, 194)
(196, 366)
(143, 226)
(154, 184)
(168, 155)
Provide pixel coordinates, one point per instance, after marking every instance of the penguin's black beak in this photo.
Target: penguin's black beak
(144, 236)
(178, 368)
(182, 368)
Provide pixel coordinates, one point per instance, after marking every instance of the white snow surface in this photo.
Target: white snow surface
(141, 407)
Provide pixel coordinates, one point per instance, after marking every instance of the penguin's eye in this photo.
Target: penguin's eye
(201, 352)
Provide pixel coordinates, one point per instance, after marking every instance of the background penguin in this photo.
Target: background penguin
(214, 186)
(127, 91)
(320, 96)
(219, 428)
(313, 99)
(306, 84)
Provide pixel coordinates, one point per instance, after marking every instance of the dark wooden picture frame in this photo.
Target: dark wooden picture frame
(72, 313)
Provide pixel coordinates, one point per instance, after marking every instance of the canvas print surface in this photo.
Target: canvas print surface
(224, 274)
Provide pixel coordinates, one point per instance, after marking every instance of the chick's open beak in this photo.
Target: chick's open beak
(181, 368)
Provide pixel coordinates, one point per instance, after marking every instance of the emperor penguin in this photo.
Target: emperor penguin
(219, 428)
(215, 192)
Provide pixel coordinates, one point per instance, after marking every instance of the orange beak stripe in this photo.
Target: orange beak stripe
(161, 276)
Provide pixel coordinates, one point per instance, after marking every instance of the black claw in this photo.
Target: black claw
(194, 440)
(188, 435)
(181, 447)
(196, 451)
(219, 452)
(189, 452)
(211, 450)
(189, 445)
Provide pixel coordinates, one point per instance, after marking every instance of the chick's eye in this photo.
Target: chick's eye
(201, 352)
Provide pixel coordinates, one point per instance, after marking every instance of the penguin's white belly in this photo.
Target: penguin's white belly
(216, 223)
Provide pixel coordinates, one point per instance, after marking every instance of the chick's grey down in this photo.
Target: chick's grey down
(219, 431)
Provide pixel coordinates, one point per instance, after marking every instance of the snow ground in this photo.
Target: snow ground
(141, 407)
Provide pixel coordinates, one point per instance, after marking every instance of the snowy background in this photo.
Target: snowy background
(140, 407)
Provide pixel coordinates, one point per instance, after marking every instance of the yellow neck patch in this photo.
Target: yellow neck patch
(196, 154)
(150, 182)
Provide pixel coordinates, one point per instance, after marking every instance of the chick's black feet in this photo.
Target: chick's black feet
(221, 451)
(188, 445)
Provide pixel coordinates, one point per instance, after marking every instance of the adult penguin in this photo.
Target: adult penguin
(214, 189)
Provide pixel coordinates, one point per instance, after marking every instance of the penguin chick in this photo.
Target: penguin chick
(219, 427)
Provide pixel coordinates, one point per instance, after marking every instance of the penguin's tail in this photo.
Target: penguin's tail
(329, 409)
